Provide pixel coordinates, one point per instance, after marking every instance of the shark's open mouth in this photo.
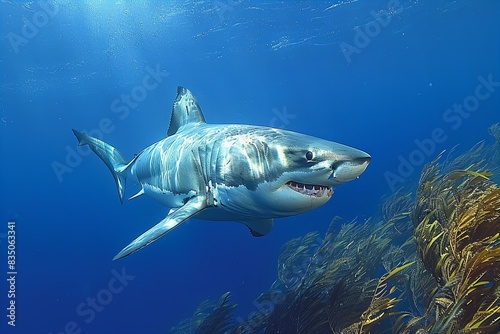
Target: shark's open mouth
(310, 189)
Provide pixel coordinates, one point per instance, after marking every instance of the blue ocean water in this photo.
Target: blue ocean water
(402, 80)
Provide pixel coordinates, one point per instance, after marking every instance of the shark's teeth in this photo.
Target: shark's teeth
(310, 189)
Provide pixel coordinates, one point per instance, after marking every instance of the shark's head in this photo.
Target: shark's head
(286, 173)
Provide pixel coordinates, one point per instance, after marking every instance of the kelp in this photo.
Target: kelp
(493, 152)
(429, 263)
(457, 228)
(330, 284)
(209, 318)
(337, 289)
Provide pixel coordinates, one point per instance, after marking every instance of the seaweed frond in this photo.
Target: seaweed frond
(209, 318)
(457, 228)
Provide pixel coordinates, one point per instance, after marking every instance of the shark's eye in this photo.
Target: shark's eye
(309, 155)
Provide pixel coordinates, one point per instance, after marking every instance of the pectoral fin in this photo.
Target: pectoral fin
(172, 220)
(259, 227)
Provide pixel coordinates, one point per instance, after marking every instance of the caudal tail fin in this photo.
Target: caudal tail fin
(111, 157)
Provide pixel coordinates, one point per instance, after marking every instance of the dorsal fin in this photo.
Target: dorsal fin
(185, 111)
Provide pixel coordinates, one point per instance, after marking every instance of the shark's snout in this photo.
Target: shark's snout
(350, 169)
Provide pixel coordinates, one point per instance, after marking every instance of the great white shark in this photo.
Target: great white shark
(229, 172)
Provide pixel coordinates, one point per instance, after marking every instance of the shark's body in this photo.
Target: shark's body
(243, 173)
